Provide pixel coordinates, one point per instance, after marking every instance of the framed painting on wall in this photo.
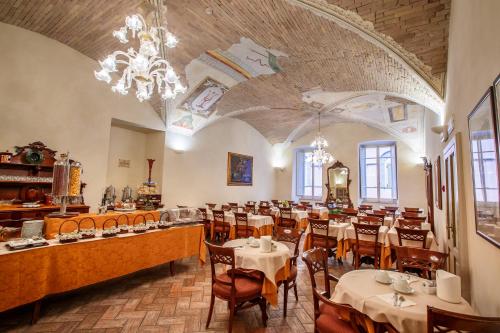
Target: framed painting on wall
(203, 99)
(483, 137)
(438, 197)
(239, 170)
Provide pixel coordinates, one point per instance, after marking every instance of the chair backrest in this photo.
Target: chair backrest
(251, 202)
(275, 202)
(410, 224)
(350, 211)
(413, 216)
(319, 228)
(300, 207)
(264, 210)
(415, 235)
(225, 256)
(445, 321)
(264, 203)
(316, 261)
(391, 208)
(291, 236)
(226, 208)
(286, 213)
(233, 204)
(364, 208)
(425, 260)
(218, 216)
(211, 205)
(412, 210)
(203, 213)
(304, 203)
(242, 223)
(379, 213)
(339, 218)
(375, 220)
(250, 208)
(367, 230)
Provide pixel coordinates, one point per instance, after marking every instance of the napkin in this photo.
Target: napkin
(266, 244)
(448, 286)
(389, 298)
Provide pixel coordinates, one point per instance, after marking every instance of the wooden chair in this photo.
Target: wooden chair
(251, 203)
(236, 287)
(205, 221)
(350, 211)
(364, 208)
(312, 215)
(410, 224)
(221, 227)
(377, 213)
(413, 216)
(375, 220)
(304, 203)
(211, 206)
(328, 317)
(365, 247)
(242, 228)
(285, 219)
(275, 202)
(391, 212)
(412, 210)
(339, 218)
(292, 237)
(226, 208)
(320, 236)
(445, 321)
(421, 261)
(301, 207)
(264, 210)
(415, 235)
(264, 203)
(249, 208)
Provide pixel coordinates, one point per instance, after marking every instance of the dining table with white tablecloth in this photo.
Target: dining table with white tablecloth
(360, 290)
(301, 216)
(387, 220)
(335, 230)
(262, 224)
(275, 264)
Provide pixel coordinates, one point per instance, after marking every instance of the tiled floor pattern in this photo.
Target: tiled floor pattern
(155, 301)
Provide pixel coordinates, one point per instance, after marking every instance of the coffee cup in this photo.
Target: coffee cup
(401, 285)
(250, 240)
(382, 276)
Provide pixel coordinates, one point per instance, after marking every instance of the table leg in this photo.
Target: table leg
(36, 312)
(172, 268)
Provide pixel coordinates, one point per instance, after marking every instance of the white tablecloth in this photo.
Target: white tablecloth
(252, 258)
(387, 221)
(359, 289)
(297, 215)
(350, 233)
(256, 221)
(335, 230)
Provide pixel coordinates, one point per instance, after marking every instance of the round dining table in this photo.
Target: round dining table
(274, 264)
(360, 290)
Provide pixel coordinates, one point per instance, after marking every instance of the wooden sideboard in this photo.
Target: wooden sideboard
(14, 215)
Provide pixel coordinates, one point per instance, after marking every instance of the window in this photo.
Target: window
(378, 173)
(485, 167)
(309, 182)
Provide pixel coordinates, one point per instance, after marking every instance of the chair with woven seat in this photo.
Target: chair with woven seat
(329, 317)
(421, 261)
(221, 227)
(413, 235)
(240, 289)
(410, 224)
(375, 220)
(242, 228)
(291, 237)
(206, 222)
(285, 220)
(439, 321)
(320, 236)
(366, 248)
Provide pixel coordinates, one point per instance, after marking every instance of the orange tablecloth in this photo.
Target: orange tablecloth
(29, 275)
(52, 224)
(385, 256)
(270, 290)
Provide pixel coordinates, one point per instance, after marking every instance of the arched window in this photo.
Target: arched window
(378, 171)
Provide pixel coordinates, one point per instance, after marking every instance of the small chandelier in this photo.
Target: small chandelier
(145, 68)
(319, 156)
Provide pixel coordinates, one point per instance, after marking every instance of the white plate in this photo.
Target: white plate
(384, 282)
(254, 245)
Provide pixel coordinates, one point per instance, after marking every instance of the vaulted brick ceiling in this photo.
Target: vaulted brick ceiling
(323, 50)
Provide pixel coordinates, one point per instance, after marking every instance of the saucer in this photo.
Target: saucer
(408, 291)
(388, 281)
(254, 244)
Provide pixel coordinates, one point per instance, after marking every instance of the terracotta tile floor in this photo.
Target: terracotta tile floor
(155, 301)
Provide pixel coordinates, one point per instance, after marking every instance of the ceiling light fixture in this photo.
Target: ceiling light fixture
(320, 156)
(146, 67)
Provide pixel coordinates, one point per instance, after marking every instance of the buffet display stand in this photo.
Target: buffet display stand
(30, 275)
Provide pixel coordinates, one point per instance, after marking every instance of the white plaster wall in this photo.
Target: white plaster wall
(473, 64)
(48, 93)
(344, 140)
(196, 173)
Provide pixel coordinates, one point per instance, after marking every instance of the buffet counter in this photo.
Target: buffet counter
(29, 275)
(52, 224)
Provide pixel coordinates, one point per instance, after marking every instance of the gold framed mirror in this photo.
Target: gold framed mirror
(338, 177)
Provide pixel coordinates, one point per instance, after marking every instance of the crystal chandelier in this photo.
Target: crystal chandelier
(319, 156)
(145, 68)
